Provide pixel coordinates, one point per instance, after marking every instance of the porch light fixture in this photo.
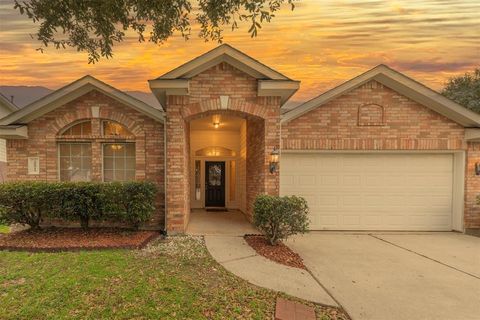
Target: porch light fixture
(216, 121)
(274, 155)
(477, 168)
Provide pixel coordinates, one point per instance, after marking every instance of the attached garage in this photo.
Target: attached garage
(373, 190)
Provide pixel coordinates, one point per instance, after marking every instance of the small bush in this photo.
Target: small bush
(133, 201)
(29, 202)
(280, 217)
(82, 201)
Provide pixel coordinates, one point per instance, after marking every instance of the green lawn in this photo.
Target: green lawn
(174, 279)
(4, 228)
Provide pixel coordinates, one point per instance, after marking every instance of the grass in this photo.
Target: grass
(173, 279)
(4, 228)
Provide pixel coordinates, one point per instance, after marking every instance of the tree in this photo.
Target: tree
(465, 90)
(95, 25)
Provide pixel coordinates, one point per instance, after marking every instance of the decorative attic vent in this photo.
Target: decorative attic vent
(371, 115)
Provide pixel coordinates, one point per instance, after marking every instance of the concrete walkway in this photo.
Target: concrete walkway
(232, 223)
(238, 257)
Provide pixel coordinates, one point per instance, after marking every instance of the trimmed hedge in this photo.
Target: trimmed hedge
(280, 217)
(30, 202)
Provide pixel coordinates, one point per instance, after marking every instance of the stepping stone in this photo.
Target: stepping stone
(291, 310)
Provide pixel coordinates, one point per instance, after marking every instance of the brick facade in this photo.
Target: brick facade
(44, 136)
(374, 117)
(370, 117)
(407, 125)
(263, 121)
(472, 188)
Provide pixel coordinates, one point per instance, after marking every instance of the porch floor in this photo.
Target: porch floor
(232, 223)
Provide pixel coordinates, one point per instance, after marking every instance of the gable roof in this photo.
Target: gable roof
(270, 82)
(72, 91)
(228, 54)
(6, 105)
(399, 83)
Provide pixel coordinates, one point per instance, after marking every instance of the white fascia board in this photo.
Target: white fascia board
(472, 134)
(274, 88)
(162, 88)
(399, 83)
(75, 90)
(224, 53)
(14, 132)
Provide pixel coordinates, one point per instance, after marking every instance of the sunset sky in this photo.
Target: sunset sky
(321, 43)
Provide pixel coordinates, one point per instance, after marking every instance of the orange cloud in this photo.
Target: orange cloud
(322, 43)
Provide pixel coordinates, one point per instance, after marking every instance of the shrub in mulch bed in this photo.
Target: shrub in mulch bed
(73, 239)
(279, 253)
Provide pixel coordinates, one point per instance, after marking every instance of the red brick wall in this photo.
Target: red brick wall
(407, 125)
(204, 99)
(3, 171)
(255, 173)
(44, 136)
(472, 188)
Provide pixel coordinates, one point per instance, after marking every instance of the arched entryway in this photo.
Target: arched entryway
(225, 158)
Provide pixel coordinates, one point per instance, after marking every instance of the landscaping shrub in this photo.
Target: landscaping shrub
(27, 202)
(133, 201)
(280, 217)
(83, 201)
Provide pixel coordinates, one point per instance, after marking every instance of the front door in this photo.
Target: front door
(214, 184)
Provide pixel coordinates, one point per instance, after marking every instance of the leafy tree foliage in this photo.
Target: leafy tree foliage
(465, 90)
(95, 25)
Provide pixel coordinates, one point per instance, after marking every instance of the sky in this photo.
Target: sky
(322, 43)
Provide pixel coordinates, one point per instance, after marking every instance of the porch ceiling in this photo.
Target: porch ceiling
(227, 123)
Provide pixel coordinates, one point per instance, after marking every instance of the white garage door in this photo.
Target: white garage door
(372, 191)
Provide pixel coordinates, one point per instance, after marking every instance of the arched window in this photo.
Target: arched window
(83, 128)
(215, 152)
(112, 128)
(82, 142)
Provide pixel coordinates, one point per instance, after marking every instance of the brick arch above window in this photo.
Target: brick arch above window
(371, 114)
(65, 121)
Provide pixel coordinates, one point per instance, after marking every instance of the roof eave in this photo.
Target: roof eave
(13, 132)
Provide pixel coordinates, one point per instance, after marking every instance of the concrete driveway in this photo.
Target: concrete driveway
(397, 275)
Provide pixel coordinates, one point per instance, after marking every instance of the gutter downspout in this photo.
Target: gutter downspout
(165, 171)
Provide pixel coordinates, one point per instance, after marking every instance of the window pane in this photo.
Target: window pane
(108, 163)
(64, 149)
(108, 175)
(75, 161)
(120, 163)
(86, 150)
(86, 128)
(117, 165)
(130, 175)
(79, 129)
(75, 150)
(111, 128)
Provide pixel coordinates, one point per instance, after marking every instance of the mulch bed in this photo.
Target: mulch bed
(279, 253)
(74, 239)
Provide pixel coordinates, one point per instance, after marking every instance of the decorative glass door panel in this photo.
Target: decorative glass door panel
(214, 184)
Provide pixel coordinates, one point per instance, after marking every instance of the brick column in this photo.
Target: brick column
(472, 190)
(177, 167)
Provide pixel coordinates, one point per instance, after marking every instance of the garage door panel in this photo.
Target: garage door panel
(372, 191)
